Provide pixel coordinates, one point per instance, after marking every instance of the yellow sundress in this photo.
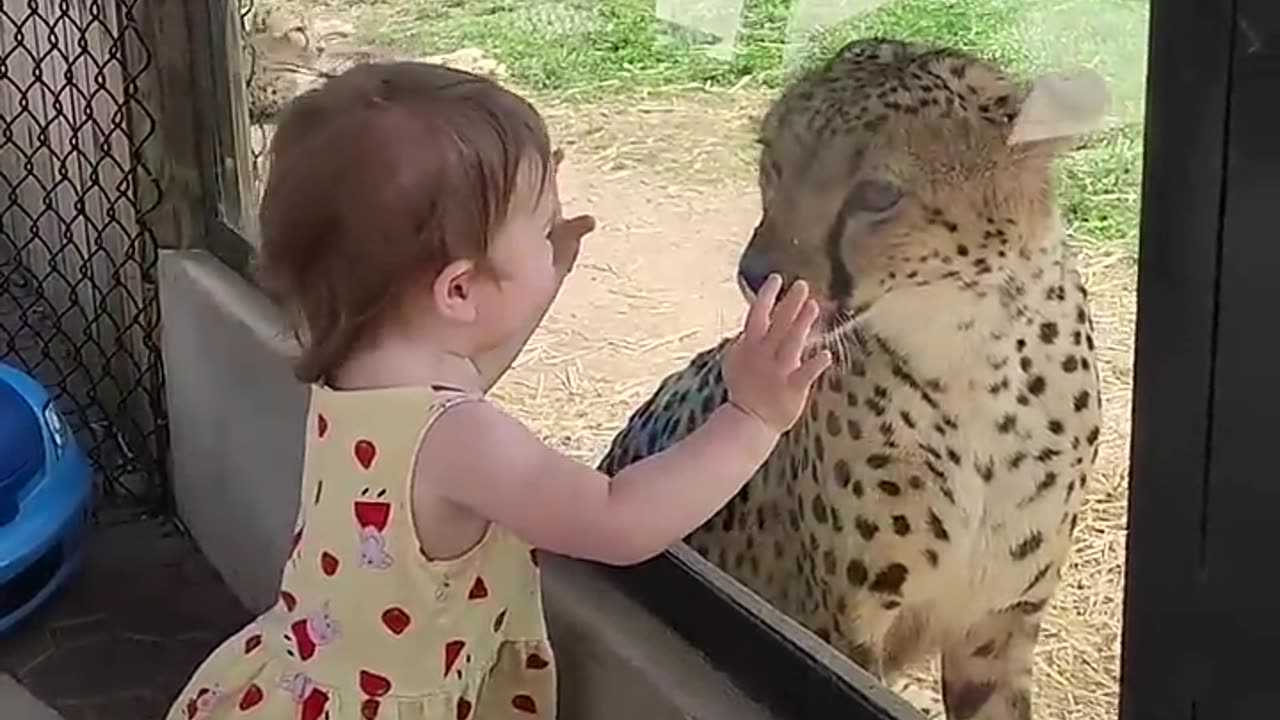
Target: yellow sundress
(366, 627)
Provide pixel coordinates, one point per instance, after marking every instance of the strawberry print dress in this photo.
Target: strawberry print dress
(366, 627)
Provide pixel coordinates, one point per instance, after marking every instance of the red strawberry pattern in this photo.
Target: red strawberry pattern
(374, 687)
(201, 702)
(253, 642)
(396, 620)
(373, 684)
(251, 698)
(452, 651)
(536, 662)
(322, 425)
(463, 710)
(315, 705)
(525, 704)
(329, 563)
(288, 600)
(479, 590)
(312, 699)
(312, 632)
(365, 452)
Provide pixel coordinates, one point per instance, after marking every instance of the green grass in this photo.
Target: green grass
(593, 48)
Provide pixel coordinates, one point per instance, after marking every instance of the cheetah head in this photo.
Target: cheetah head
(897, 168)
(284, 45)
(280, 26)
(281, 63)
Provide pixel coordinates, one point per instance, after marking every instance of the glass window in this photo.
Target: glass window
(659, 107)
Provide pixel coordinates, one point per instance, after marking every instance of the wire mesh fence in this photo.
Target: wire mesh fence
(78, 302)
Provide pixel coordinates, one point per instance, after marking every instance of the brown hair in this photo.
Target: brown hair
(385, 172)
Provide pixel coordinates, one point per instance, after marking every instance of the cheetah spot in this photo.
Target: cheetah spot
(889, 579)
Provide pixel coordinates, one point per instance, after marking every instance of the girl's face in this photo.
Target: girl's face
(523, 279)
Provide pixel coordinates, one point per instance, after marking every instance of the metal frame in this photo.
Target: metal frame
(220, 99)
(769, 657)
(1200, 627)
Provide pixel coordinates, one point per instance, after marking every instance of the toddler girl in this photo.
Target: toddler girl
(411, 220)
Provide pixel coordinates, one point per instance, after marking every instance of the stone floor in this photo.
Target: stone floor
(120, 641)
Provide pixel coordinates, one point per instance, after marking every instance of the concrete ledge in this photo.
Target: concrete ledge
(236, 417)
(16, 703)
(622, 663)
(236, 422)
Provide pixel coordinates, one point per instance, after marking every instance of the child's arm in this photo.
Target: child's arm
(484, 460)
(557, 503)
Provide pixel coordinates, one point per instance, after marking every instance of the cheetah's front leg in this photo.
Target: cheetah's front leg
(988, 674)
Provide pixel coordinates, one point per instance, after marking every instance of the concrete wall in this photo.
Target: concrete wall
(236, 423)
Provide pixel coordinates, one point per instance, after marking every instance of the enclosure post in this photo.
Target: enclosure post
(167, 100)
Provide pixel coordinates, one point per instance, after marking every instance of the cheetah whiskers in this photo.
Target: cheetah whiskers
(844, 339)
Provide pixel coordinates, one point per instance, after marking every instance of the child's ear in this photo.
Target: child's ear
(454, 291)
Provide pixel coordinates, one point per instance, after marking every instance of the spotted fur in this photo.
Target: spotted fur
(283, 59)
(924, 504)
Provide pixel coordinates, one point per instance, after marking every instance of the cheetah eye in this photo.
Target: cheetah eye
(875, 196)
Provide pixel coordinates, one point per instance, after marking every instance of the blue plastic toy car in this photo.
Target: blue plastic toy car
(45, 495)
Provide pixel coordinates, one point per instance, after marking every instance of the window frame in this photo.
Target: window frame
(230, 228)
(1196, 641)
(771, 658)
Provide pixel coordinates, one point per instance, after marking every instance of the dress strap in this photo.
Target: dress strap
(446, 397)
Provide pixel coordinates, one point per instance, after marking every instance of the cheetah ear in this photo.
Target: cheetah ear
(1061, 106)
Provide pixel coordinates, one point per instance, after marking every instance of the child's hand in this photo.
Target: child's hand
(762, 368)
(566, 235)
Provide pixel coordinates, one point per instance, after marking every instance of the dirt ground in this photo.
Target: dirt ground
(669, 182)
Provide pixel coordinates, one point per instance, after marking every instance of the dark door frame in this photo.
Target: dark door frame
(1200, 625)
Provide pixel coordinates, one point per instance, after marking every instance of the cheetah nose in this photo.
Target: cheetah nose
(752, 276)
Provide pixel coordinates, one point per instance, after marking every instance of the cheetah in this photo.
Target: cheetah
(924, 504)
(280, 62)
(283, 58)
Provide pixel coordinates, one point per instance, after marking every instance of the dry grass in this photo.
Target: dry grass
(698, 138)
(1079, 653)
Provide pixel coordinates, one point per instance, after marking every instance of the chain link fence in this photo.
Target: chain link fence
(79, 307)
